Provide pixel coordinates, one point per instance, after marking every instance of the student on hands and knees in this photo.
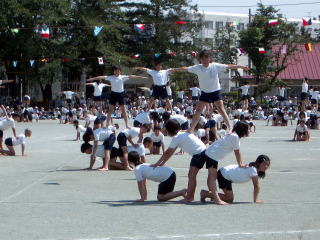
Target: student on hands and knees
(11, 142)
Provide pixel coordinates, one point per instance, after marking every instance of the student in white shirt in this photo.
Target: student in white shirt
(301, 133)
(105, 135)
(164, 175)
(160, 81)
(314, 99)
(140, 149)
(80, 129)
(158, 140)
(188, 143)
(304, 94)
(207, 73)
(6, 123)
(68, 94)
(11, 142)
(98, 88)
(180, 96)
(235, 174)
(245, 95)
(117, 91)
(127, 135)
(218, 150)
(195, 93)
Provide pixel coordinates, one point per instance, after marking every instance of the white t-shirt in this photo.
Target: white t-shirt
(281, 92)
(140, 150)
(305, 87)
(117, 83)
(101, 134)
(222, 133)
(98, 88)
(208, 77)
(143, 117)
(90, 119)
(188, 143)
(169, 91)
(314, 95)
(203, 120)
(302, 129)
(132, 132)
(155, 138)
(81, 129)
(181, 119)
(245, 89)
(68, 94)
(160, 78)
(195, 91)
(219, 149)
(236, 174)
(21, 139)
(180, 94)
(158, 174)
(7, 123)
(200, 133)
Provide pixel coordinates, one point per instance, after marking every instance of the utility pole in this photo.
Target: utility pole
(249, 61)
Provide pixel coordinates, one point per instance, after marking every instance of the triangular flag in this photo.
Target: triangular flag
(14, 63)
(181, 22)
(14, 30)
(139, 27)
(262, 50)
(240, 51)
(100, 60)
(273, 22)
(308, 47)
(31, 62)
(194, 53)
(136, 56)
(65, 60)
(171, 53)
(45, 33)
(45, 60)
(97, 30)
(306, 21)
(157, 55)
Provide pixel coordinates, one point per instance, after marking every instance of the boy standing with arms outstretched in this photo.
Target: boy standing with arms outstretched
(207, 73)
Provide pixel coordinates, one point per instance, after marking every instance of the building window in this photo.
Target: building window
(219, 25)
(208, 24)
(240, 26)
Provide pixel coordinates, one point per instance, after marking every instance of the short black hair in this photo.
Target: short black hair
(87, 134)
(85, 146)
(156, 128)
(75, 121)
(204, 53)
(241, 129)
(146, 126)
(115, 67)
(260, 159)
(173, 127)
(134, 158)
(166, 116)
(147, 140)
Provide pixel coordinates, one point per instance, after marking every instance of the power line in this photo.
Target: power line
(249, 6)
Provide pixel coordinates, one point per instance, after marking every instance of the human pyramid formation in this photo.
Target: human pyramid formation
(191, 139)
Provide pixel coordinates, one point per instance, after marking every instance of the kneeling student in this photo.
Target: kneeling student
(235, 174)
(165, 175)
(11, 142)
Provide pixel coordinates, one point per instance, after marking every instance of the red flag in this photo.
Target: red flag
(181, 22)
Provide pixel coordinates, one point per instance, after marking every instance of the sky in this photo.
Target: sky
(296, 11)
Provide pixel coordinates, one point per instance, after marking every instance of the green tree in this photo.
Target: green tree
(279, 41)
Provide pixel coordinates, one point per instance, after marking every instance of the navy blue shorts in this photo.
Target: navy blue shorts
(8, 142)
(157, 144)
(116, 97)
(303, 96)
(210, 97)
(180, 100)
(223, 183)
(195, 98)
(313, 101)
(159, 92)
(281, 99)
(114, 153)
(96, 98)
(198, 160)
(244, 97)
(1, 133)
(185, 125)
(211, 163)
(122, 140)
(108, 143)
(137, 123)
(168, 185)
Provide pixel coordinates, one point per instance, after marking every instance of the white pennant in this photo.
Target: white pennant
(31, 62)
(100, 60)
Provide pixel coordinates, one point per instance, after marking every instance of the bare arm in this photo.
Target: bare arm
(94, 150)
(180, 69)
(165, 157)
(4, 111)
(141, 68)
(14, 132)
(23, 147)
(96, 78)
(136, 76)
(162, 145)
(231, 66)
(142, 185)
(239, 158)
(256, 190)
